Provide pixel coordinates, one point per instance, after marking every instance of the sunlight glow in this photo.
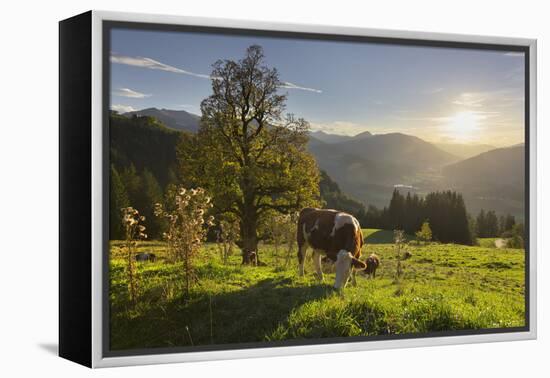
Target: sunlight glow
(463, 125)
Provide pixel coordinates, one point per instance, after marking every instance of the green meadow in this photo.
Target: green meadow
(443, 287)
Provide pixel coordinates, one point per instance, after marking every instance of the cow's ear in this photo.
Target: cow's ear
(358, 264)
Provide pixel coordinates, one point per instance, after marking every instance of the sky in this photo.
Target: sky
(443, 95)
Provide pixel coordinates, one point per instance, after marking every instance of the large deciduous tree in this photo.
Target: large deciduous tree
(248, 154)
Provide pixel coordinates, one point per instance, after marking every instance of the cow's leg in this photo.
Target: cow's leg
(317, 254)
(302, 249)
(353, 278)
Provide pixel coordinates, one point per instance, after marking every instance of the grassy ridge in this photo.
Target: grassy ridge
(444, 287)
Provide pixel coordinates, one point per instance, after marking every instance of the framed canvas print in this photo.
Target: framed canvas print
(234, 189)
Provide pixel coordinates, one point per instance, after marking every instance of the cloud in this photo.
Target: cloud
(515, 54)
(339, 127)
(127, 92)
(435, 122)
(352, 128)
(122, 108)
(289, 85)
(432, 91)
(152, 64)
(190, 108)
(508, 97)
(516, 74)
(144, 62)
(421, 119)
(471, 100)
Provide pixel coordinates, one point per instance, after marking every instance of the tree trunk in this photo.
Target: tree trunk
(249, 239)
(249, 219)
(249, 236)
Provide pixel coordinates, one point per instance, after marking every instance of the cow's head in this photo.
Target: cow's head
(345, 262)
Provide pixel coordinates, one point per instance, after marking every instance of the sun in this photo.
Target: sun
(463, 125)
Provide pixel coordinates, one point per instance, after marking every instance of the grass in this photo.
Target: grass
(444, 287)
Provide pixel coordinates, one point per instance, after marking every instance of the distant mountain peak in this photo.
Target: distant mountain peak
(364, 134)
(331, 138)
(175, 119)
(325, 137)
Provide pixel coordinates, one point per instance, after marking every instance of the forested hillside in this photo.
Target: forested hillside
(173, 119)
(146, 144)
(143, 155)
(143, 152)
(333, 198)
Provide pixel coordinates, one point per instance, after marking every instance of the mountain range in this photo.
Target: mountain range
(336, 138)
(173, 119)
(494, 179)
(464, 150)
(367, 167)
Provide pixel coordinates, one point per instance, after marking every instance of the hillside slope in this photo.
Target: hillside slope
(144, 143)
(496, 178)
(366, 167)
(398, 148)
(464, 151)
(369, 181)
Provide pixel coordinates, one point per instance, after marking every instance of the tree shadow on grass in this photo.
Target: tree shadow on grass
(240, 316)
(380, 237)
(384, 237)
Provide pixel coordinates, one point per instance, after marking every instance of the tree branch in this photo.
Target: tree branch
(280, 208)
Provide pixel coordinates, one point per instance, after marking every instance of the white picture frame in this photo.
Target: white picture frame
(98, 358)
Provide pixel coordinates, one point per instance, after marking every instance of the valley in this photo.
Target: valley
(369, 166)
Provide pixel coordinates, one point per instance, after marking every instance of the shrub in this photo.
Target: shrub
(399, 240)
(133, 231)
(515, 236)
(425, 232)
(187, 227)
(226, 235)
(282, 231)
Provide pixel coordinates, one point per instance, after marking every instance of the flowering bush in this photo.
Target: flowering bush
(133, 231)
(187, 228)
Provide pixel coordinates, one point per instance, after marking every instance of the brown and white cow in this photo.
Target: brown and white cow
(333, 233)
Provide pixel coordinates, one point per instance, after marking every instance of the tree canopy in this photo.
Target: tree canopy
(248, 154)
